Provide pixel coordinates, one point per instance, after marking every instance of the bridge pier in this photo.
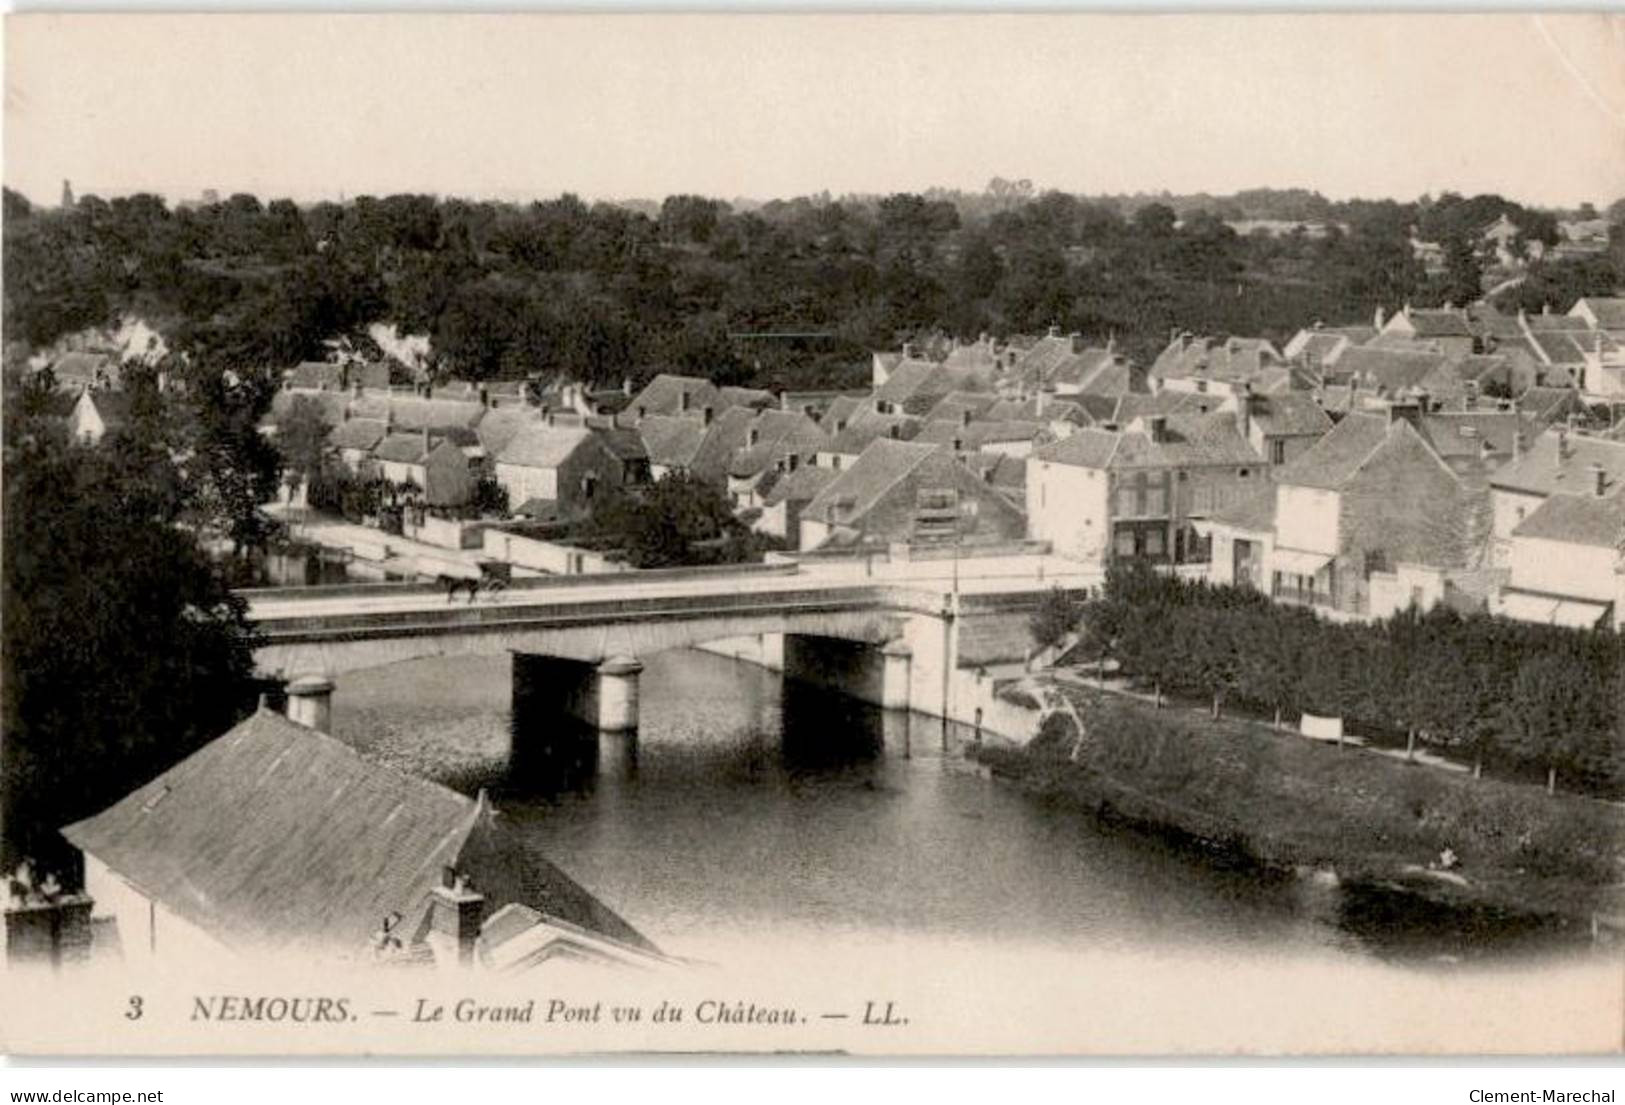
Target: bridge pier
(603, 695)
(897, 662)
(310, 702)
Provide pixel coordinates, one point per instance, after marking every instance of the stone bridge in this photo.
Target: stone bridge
(891, 643)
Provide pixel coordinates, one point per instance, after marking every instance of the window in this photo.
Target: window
(1125, 542)
(1154, 542)
(1278, 451)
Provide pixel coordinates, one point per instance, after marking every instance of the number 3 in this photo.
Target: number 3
(133, 1013)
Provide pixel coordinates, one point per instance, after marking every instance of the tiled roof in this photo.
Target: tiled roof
(410, 412)
(1253, 513)
(872, 427)
(1438, 324)
(317, 375)
(730, 396)
(626, 444)
(1550, 403)
(402, 448)
(671, 440)
(1609, 310)
(1465, 433)
(499, 425)
(802, 485)
(1578, 520)
(842, 409)
(447, 480)
(778, 434)
(357, 433)
(277, 837)
(1332, 460)
(883, 465)
(1544, 470)
(978, 434)
(1087, 448)
(542, 446)
(720, 441)
(953, 406)
(1230, 359)
(1292, 413)
(1391, 370)
(913, 380)
(331, 404)
(663, 395)
(1055, 410)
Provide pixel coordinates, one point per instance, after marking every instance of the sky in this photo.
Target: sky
(765, 106)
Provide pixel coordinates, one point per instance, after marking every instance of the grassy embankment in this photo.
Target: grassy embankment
(1250, 793)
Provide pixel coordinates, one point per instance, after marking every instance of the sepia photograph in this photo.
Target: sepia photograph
(957, 534)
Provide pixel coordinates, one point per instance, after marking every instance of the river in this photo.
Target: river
(746, 806)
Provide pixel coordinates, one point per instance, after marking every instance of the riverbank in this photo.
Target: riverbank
(1245, 793)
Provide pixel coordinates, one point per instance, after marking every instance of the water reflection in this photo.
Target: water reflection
(747, 805)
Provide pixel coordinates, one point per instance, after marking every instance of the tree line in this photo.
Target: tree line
(603, 291)
(1514, 696)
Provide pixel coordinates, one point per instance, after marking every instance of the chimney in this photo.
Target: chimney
(642, 412)
(682, 399)
(310, 702)
(626, 386)
(891, 431)
(793, 461)
(752, 436)
(965, 417)
(1517, 446)
(1378, 319)
(1599, 477)
(908, 351)
(1054, 331)
(1077, 342)
(706, 414)
(454, 913)
(1471, 387)
(959, 444)
(355, 390)
(840, 424)
(485, 396)
(1158, 424)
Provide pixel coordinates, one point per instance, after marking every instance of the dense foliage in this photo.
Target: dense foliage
(1514, 695)
(124, 650)
(676, 521)
(607, 291)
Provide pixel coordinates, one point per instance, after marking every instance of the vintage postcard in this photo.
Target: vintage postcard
(956, 534)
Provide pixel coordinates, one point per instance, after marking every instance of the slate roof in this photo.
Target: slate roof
(277, 837)
(915, 381)
(1578, 520)
(542, 446)
(626, 444)
(1559, 348)
(1055, 410)
(1230, 359)
(1542, 471)
(357, 433)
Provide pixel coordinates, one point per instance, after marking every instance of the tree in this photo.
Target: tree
(1058, 614)
(124, 650)
(677, 520)
(301, 439)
